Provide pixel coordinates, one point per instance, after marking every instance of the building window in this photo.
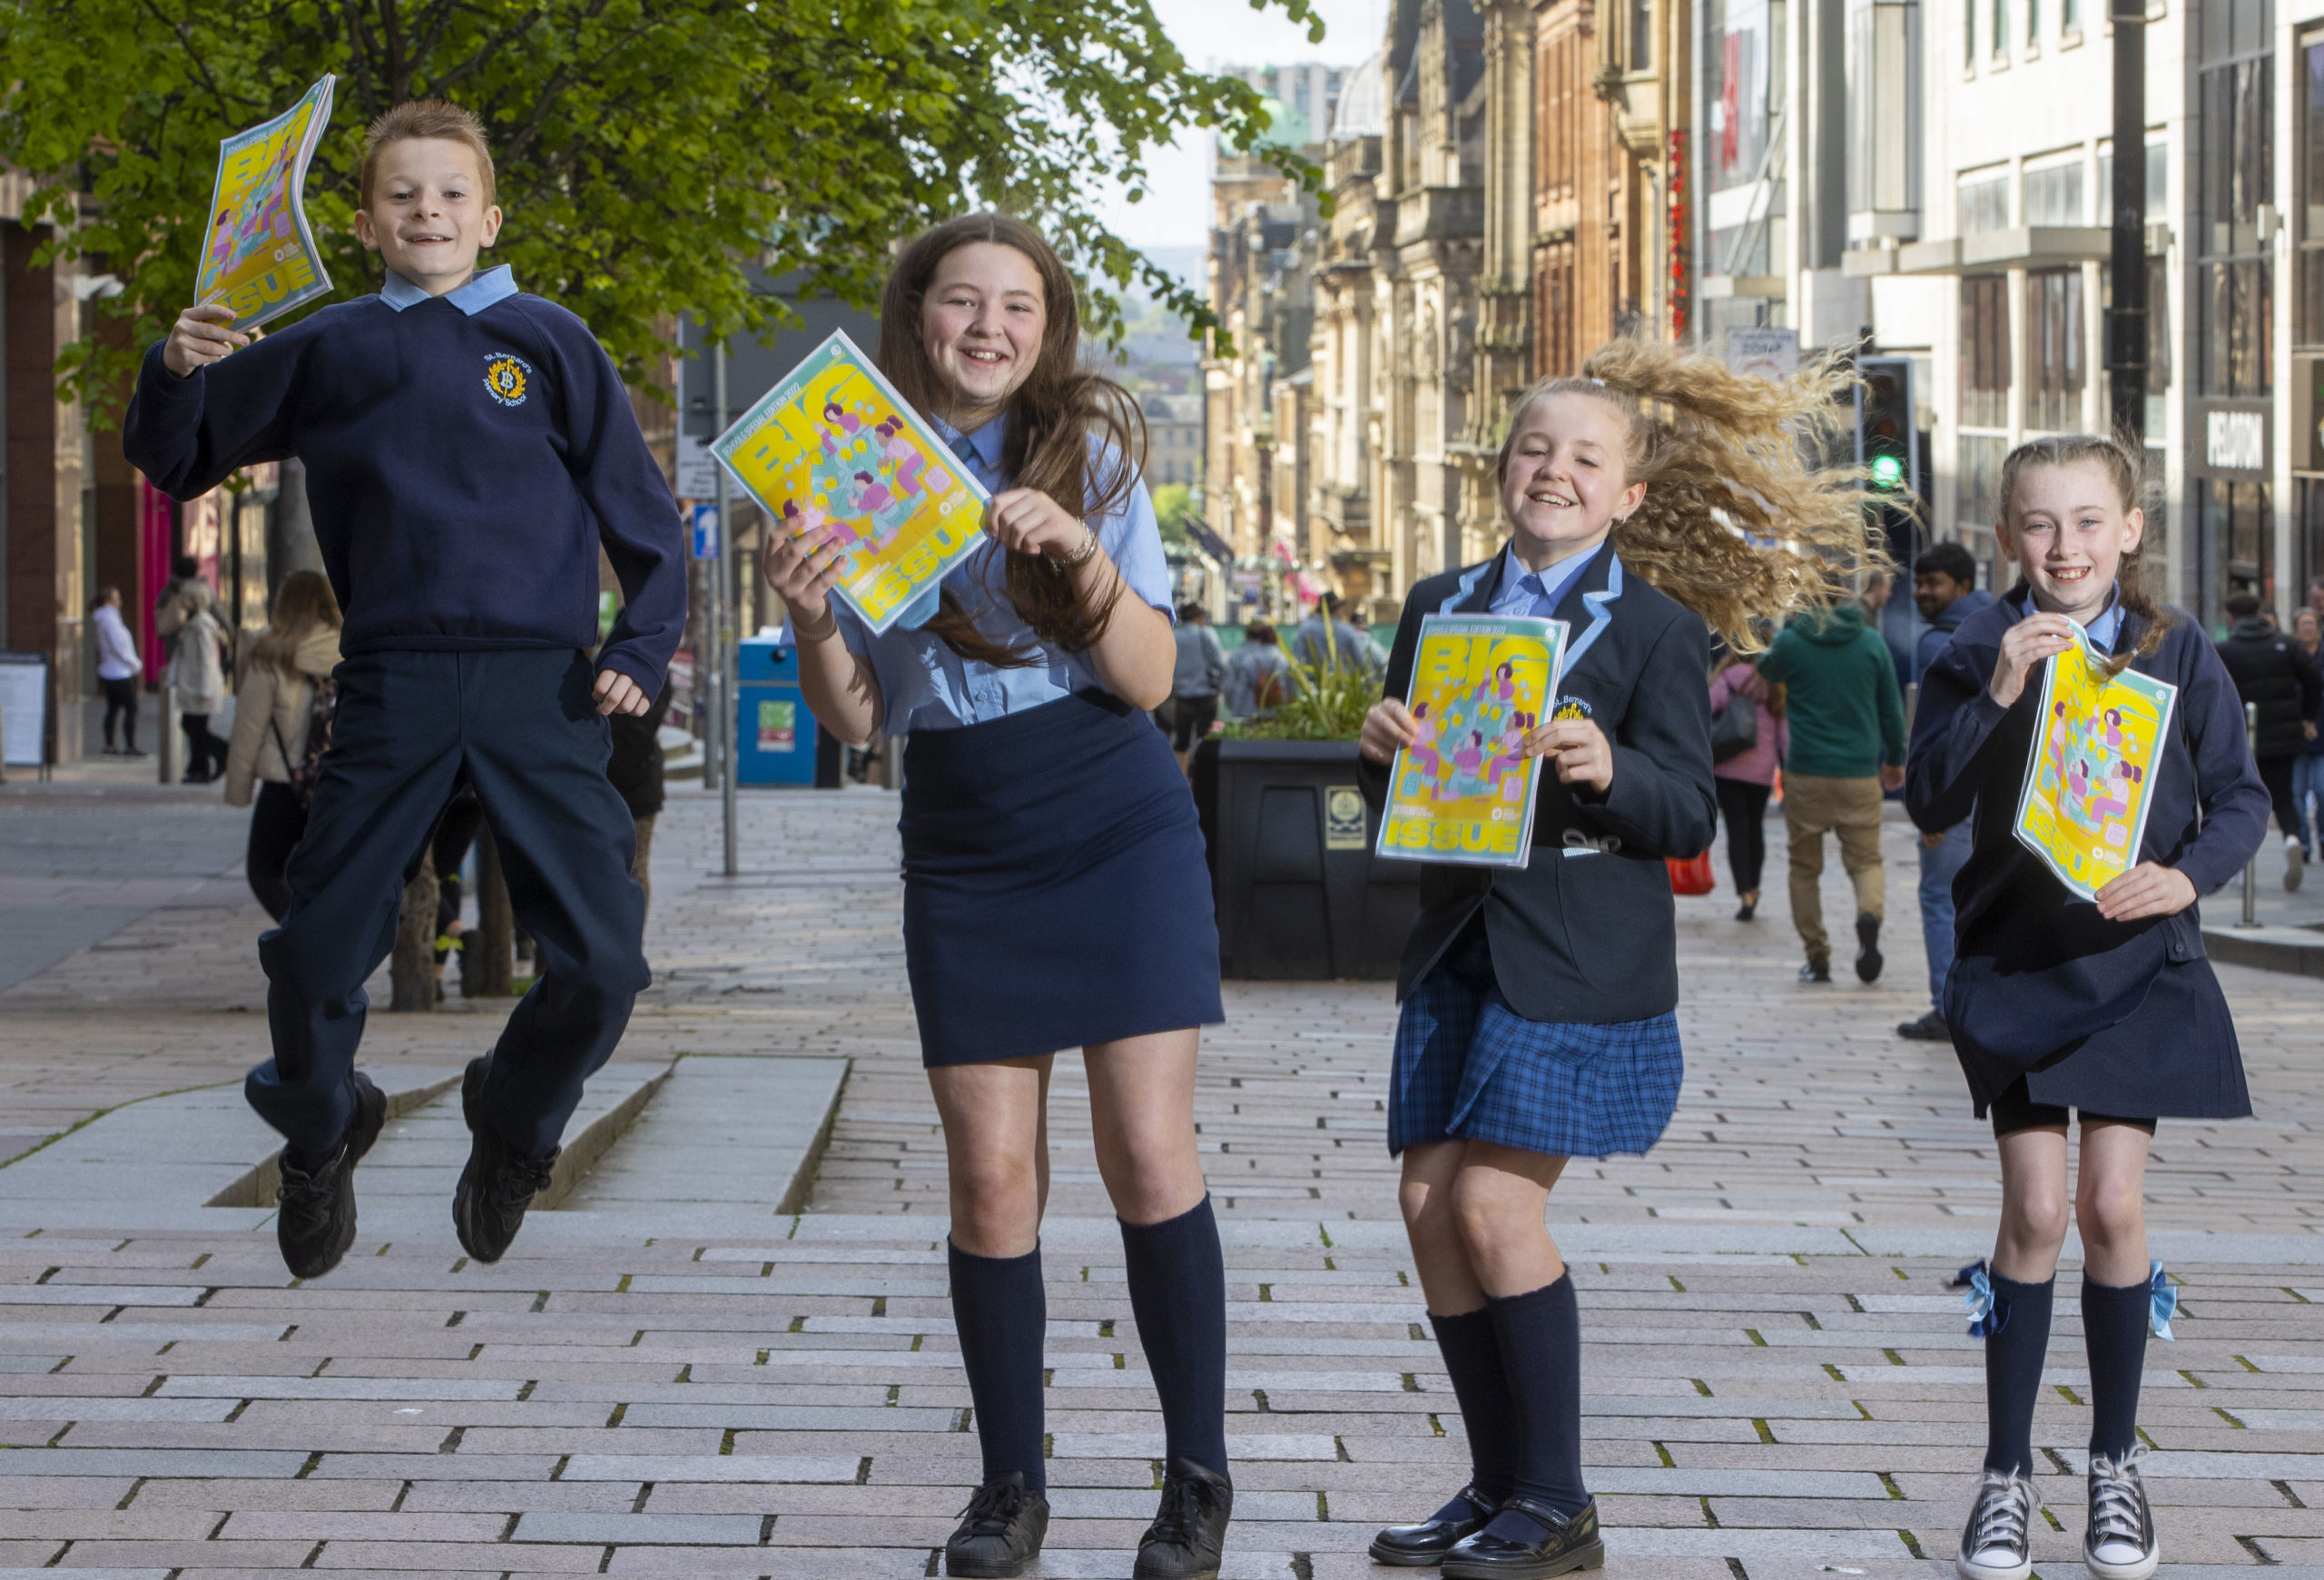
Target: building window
(2308, 316)
(2157, 185)
(1743, 52)
(1981, 458)
(1968, 35)
(2236, 519)
(2070, 18)
(2055, 358)
(1642, 36)
(2001, 28)
(1985, 350)
(2053, 196)
(1983, 203)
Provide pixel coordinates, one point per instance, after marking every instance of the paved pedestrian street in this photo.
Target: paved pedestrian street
(676, 1373)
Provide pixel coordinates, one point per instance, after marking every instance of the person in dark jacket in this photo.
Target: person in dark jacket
(2057, 1002)
(2273, 674)
(1537, 1021)
(2307, 770)
(1946, 591)
(635, 770)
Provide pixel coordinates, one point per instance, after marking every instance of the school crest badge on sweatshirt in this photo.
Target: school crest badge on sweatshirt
(508, 379)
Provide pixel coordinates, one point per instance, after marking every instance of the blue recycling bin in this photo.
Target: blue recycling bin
(775, 738)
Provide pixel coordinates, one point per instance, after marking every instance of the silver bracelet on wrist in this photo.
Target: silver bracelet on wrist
(1082, 556)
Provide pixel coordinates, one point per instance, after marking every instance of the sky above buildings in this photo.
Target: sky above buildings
(1216, 33)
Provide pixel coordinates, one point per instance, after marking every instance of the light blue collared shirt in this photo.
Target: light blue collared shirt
(1534, 593)
(480, 293)
(2108, 626)
(925, 686)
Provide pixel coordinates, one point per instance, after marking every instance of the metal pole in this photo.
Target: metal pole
(723, 613)
(2251, 864)
(2126, 315)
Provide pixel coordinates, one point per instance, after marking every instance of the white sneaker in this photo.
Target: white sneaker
(2295, 860)
(2119, 1544)
(1995, 1544)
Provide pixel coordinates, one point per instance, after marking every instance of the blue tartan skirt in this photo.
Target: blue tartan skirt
(1470, 1067)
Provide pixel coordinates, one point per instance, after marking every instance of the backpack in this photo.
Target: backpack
(322, 703)
(1735, 730)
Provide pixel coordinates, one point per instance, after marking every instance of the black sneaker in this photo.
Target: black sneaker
(1995, 1544)
(1189, 1530)
(1867, 949)
(1817, 969)
(494, 1189)
(1001, 1530)
(1566, 1543)
(1930, 1028)
(1423, 1546)
(2119, 1543)
(314, 1216)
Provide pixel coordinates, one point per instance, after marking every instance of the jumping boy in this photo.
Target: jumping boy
(467, 450)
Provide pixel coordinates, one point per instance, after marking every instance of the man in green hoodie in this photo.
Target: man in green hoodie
(1848, 745)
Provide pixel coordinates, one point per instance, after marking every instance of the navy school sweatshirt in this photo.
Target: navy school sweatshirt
(465, 456)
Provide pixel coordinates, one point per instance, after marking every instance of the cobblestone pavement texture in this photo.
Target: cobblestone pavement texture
(664, 1378)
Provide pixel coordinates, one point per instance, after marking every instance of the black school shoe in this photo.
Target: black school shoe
(498, 1185)
(1818, 969)
(1567, 1543)
(1001, 1530)
(1189, 1530)
(1867, 949)
(1423, 1546)
(314, 1216)
(1929, 1028)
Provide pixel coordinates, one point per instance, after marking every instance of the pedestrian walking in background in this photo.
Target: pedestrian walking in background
(118, 667)
(169, 609)
(282, 711)
(1056, 892)
(1324, 641)
(197, 681)
(2274, 675)
(1945, 589)
(1195, 679)
(469, 455)
(2057, 1003)
(2308, 770)
(1747, 778)
(1257, 678)
(635, 770)
(1537, 1021)
(1848, 745)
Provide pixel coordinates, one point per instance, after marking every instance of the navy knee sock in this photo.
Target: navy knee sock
(1178, 1293)
(1471, 1352)
(1001, 1314)
(2113, 1330)
(1541, 1354)
(2014, 1371)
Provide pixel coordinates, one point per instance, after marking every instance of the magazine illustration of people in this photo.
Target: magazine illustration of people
(833, 455)
(1463, 791)
(2084, 804)
(259, 255)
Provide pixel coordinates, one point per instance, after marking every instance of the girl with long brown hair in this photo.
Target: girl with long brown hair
(275, 709)
(1648, 503)
(2054, 1000)
(1055, 889)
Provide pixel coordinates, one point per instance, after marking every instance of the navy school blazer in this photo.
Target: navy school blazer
(2036, 967)
(1587, 931)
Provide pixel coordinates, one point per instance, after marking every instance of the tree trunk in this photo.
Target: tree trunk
(412, 969)
(491, 949)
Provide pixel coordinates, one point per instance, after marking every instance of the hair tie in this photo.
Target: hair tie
(2163, 1301)
(1988, 1312)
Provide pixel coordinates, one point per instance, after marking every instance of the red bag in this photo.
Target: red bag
(1692, 877)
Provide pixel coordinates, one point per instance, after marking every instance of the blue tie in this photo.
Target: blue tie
(965, 448)
(1530, 584)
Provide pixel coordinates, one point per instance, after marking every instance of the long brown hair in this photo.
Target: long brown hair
(2123, 463)
(1052, 417)
(1736, 524)
(303, 603)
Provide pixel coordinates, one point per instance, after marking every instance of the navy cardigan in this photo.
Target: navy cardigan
(1587, 930)
(2122, 1019)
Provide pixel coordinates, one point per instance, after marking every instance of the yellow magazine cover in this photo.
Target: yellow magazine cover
(833, 454)
(1464, 791)
(258, 256)
(2088, 781)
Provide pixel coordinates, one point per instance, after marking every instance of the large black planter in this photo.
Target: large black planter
(1299, 895)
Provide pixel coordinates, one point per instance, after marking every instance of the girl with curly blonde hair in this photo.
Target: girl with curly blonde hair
(1649, 503)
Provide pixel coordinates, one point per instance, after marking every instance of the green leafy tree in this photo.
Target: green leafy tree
(649, 152)
(1173, 502)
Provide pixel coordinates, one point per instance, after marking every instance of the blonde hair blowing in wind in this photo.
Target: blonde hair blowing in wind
(1721, 456)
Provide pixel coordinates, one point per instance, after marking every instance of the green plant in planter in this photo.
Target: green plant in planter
(1327, 702)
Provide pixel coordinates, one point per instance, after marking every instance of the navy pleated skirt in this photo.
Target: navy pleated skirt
(1056, 892)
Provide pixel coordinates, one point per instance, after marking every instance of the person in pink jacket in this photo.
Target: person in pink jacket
(1745, 779)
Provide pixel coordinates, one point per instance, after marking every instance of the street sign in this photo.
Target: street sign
(23, 708)
(706, 531)
(697, 469)
(1763, 353)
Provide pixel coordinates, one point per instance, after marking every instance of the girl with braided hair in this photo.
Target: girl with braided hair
(1656, 500)
(2054, 1000)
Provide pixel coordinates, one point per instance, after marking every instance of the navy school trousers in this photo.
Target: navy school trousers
(520, 726)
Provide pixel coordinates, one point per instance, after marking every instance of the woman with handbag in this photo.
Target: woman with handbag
(197, 679)
(1745, 762)
(285, 685)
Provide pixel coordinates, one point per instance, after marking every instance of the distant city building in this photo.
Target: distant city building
(1173, 440)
